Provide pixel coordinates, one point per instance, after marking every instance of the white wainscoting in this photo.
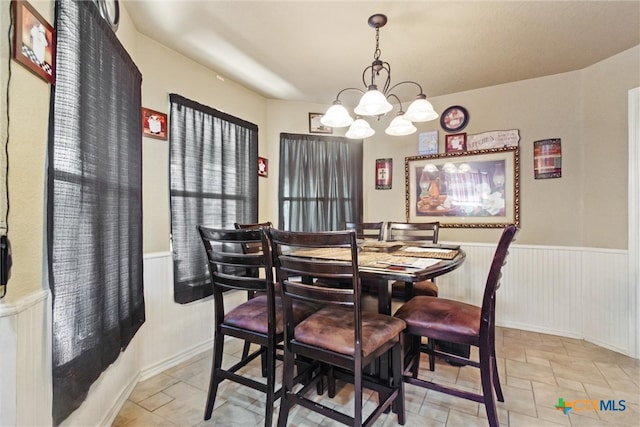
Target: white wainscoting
(575, 292)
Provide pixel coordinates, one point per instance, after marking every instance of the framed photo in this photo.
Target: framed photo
(384, 174)
(34, 41)
(470, 189)
(454, 118)
(455, 142)
(428, 142)
(263, 167)
(547, 159)
(315, 126)
(154, 124)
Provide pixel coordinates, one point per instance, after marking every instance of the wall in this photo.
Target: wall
(585, 108)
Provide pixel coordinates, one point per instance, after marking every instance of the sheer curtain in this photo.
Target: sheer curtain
(214, 181)
(320, 182)
(94, 206)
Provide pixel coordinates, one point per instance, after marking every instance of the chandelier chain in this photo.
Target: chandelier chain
(376, 53)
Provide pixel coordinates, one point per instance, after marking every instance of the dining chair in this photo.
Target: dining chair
(458, 322)
(252, 248)
(340, 336)
(259, 320)
(413, 231)
(366, 230)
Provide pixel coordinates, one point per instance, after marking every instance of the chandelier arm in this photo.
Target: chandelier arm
(364, 79)
(397, 99)
(407, 81)
(348, 88)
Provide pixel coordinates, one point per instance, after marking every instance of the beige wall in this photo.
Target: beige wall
(587, 109)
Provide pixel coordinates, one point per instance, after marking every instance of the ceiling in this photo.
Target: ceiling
(308, 50)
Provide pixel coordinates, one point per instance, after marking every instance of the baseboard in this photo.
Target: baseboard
(111, 415)
(174, 360)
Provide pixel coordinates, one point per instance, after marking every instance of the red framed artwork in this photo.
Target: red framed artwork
(456, 142)
(384, 174)
(34, 41)
(263, 167)
(154, 124)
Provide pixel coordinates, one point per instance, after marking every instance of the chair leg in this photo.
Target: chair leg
(414, 341)
(271, 384)
(287, 387)
(263, 361)
(357, 399)
(218, 345)
(331, 382)
(431, 344)
(245, 349)
(486, 378)
(398, 381)
(496, 380)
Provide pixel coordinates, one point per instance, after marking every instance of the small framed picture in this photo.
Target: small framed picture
(428, 142)
(263, 167)
(547, 159)
(456, 142)
(384, 174)
(315, 126)
(34, 41)
(154, 124)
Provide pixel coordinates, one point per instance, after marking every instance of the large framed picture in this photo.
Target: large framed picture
(34, 41)
(470, 189)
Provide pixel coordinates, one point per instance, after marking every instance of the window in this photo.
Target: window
(94, 206)
(320, 183)
(214, 182)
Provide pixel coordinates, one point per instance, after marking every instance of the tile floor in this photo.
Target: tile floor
(536, 369)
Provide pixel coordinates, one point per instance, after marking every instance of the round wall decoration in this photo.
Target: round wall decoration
(454, 118)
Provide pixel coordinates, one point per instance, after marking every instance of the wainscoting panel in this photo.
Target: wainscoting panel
(573, 292)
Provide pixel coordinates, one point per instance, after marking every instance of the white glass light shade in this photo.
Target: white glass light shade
(360, 129)
(373, 103)
(420, 110)
(400, 126)
(336, 116)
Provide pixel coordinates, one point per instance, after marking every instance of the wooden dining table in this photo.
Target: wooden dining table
(390, 261)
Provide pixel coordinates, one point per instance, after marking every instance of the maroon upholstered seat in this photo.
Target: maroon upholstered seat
(258, 320)
(339, 336)
(457, 322)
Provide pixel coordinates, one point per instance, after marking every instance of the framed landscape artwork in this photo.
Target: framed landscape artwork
(470, 189)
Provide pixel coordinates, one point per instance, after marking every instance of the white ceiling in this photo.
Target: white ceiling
(309, 50)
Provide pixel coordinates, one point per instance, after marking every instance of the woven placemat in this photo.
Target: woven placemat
(448, 254)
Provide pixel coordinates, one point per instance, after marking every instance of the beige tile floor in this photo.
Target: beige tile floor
(536, 369)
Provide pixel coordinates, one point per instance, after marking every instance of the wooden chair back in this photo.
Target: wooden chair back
(366, 230)
(412, 231)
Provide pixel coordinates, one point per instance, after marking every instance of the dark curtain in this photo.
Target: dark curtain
(214, 182)
(320, 183)
(94, 203)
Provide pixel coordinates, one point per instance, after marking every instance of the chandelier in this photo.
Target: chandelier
(375, 102)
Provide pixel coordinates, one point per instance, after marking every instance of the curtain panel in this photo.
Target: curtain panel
(320, 182)
(213, 173)
(94, 203)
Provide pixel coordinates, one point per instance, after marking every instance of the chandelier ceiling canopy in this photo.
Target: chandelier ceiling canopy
(375, 101)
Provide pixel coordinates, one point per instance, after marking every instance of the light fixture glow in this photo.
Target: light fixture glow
(360, 129)
(336, 116)
(374, 101)
(400, 126)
